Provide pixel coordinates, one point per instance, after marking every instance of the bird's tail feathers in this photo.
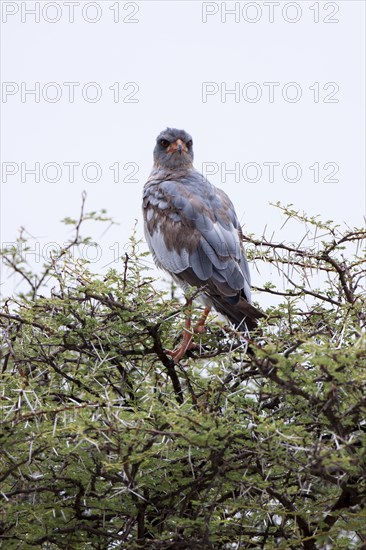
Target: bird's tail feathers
(243, 315)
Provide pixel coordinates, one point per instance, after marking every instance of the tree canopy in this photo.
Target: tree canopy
(105, 443)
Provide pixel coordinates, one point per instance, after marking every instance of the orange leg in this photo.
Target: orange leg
(187, 343)
(200, 327)
(178, 353)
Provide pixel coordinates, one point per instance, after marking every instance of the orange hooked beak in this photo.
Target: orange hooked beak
(178, 145)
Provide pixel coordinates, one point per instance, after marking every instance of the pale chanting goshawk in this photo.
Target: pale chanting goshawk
(194, 234)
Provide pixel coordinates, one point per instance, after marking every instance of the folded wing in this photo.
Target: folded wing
(194, 234)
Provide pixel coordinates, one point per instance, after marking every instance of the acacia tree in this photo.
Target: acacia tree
(106, 443)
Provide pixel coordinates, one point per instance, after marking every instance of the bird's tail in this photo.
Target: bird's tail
(243, 315)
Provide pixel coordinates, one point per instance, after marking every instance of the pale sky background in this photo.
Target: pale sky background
(168, 53)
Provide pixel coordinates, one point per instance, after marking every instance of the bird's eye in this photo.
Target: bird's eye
(189, 144)
(164, 143)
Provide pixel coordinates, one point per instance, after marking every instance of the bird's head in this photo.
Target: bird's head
(173, 149)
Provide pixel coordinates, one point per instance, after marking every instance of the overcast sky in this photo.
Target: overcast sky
(272, 93)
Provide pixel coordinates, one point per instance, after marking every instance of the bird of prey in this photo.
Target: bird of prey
(194, 234)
